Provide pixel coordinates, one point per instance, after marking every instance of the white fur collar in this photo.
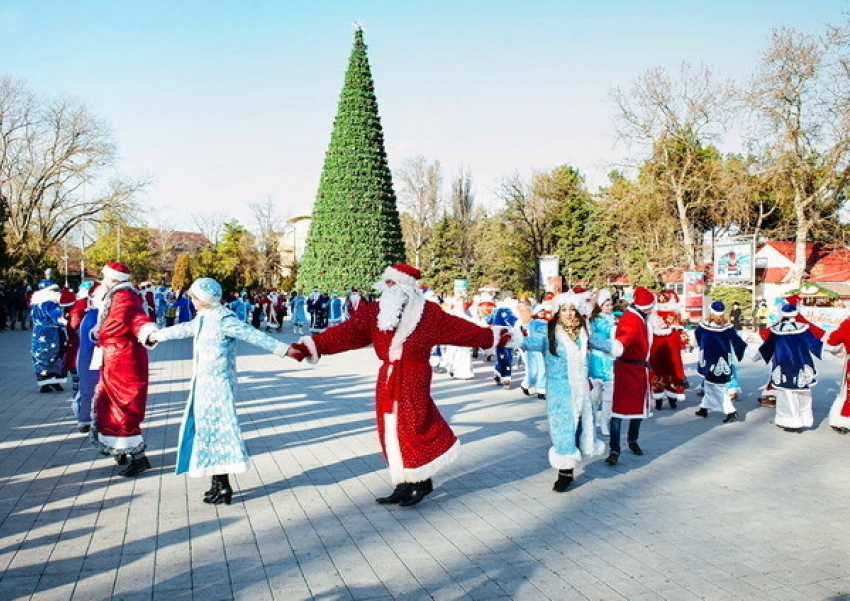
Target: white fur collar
(410, 318)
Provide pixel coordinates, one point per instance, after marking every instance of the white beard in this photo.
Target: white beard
(391, 305)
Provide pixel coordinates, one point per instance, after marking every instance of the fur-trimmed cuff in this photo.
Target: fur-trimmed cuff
(144, 332)
(616, 348)
(563, 462)
(311, 346)
(280, 349)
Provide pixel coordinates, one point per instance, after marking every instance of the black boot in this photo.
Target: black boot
(45, 388)
(120, 459)
(418, 491)
(702, 412)
(730, 417)
(139, 464)
(565, 478)
(214, 486)
(58, 388)
(224, 494)
(401, 493)
(659, 404)
(673, 403)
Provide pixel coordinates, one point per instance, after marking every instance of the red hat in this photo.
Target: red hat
(643, 298)
(794, 299)
(402, 273)
(355, 290)
(579, 289)
(117, 271)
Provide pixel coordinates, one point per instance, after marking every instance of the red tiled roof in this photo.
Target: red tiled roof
(774, 275)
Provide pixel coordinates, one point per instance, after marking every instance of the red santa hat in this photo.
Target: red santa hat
(117, 271)
(404, 274)
(643, 298)
(794, 299)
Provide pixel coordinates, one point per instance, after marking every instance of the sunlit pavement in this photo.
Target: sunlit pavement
(713, 511)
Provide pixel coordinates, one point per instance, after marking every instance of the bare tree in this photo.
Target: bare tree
(210, 224)
(673, 118)
(420, 198)
(801, 96)
(162, 235)
(267, 232)
(53, 153)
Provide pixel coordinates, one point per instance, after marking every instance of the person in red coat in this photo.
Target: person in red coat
(121, 395)
(839, 414)
(353, 304)
(669, 341)
(632, 392)
(415, 438)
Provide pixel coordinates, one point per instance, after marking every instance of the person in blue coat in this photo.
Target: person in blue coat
(564, 347)
(503, 316)
(242, 307)
(48, 336)
(790, 346)
(88, 377)
(336, 310)
(720, 346)
(298, 312)
(210, 442)
(535, 369)
(603, 325)
(185, 308)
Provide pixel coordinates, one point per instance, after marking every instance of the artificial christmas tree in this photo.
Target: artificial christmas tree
(355, 231)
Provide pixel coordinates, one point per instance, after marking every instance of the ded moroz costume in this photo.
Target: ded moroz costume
(403, 327)
(669, 341)
(120, 398)
(632, 391)
(48, 336)
(839, 413)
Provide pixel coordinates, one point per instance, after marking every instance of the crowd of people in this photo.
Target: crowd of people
(597, 361)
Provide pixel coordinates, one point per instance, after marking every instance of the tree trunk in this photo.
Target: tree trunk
(802, 236)
(687, 234)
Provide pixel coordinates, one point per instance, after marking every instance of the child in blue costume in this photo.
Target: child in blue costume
(535, 369)
(603, 324)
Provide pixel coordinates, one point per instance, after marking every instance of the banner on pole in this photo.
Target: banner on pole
(694, 294)
(733, 260)
(549, 267)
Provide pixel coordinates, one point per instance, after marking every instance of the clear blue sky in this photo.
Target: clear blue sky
(226, 103)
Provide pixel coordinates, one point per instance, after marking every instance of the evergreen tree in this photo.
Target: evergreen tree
(355, 231)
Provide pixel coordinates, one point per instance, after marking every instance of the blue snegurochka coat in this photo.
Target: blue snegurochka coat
(210, 440)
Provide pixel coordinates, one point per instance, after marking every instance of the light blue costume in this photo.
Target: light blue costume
(297, 308)
(242, 308)
(568, 406)
(335, 310)
(601, 369)
(535, 369)
(159, 300)
(210, 440)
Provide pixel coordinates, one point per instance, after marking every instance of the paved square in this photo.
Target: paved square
(712, 511)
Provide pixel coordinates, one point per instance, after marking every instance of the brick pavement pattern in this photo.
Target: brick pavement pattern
(712, 511)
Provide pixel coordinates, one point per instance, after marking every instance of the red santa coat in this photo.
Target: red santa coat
(122, 392)
(839, 416)
(354, 306)
(665, 358)
(415, 438)
(631, 369)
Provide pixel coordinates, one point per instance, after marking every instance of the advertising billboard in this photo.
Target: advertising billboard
(733, 260)
(694, 294)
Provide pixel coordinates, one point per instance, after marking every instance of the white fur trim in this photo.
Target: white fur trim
(50, 381)
(44, 295)
(96, 359)
(391, 273)
(311, 346)
(144, 332)
(616, 348)
(398, 473)
(118, 276)
(563, 462)
(231, 468)
(410, 318)
(429, 470)
(120, 443)
(280, 349)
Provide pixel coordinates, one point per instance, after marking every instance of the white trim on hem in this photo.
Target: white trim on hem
(218, 470)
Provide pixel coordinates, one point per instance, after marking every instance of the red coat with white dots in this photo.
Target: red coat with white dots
(415, 438)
